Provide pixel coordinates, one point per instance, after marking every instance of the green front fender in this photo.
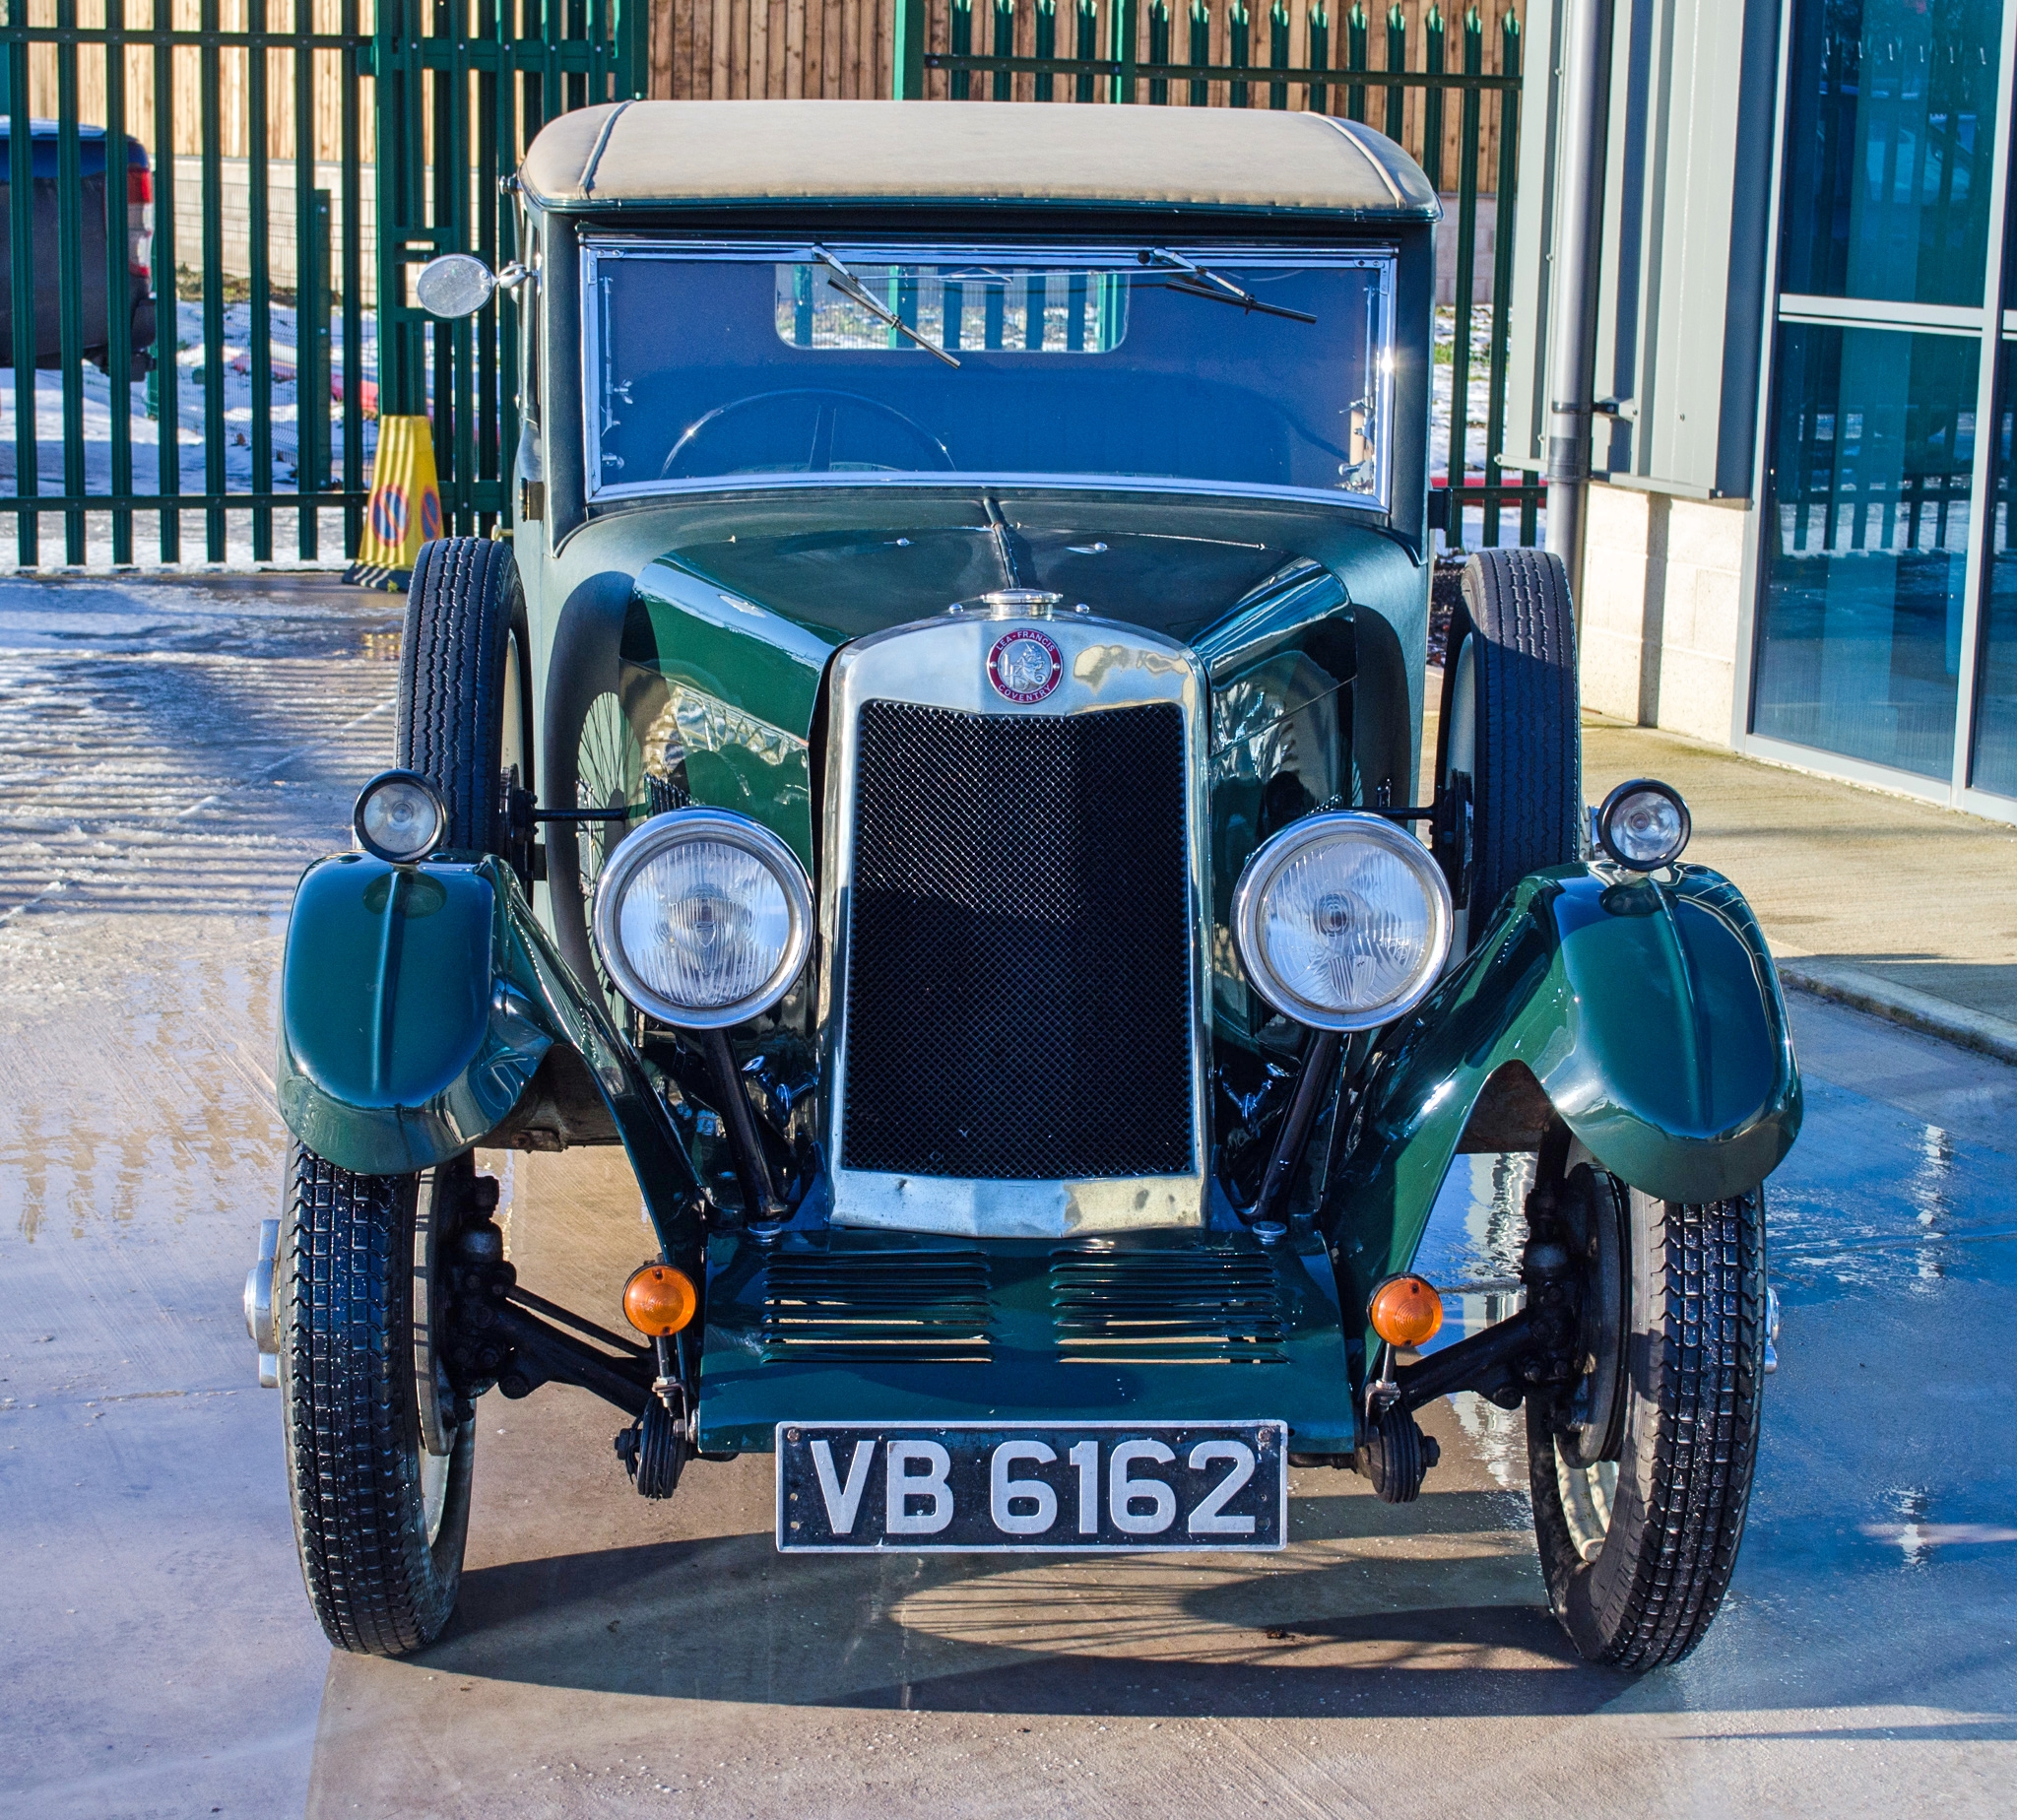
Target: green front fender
(1648, 1012)
(417, 1004)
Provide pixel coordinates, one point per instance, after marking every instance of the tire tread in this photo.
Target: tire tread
(458, 616)
(346, 1374)
(1699, 1454)
(1685, 1491)
(1529, 781)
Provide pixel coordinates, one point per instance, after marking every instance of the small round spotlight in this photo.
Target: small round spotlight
(659, 1300)
(1405, 1311)
(400, 817)
(1643, 824)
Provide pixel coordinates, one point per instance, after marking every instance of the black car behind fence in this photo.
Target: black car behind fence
(116, 295)
(388, 129)
(424, 109)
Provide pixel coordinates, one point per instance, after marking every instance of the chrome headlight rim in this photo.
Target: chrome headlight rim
(1606, 812)
(678, 827)
(376, 849)
(1265, 865)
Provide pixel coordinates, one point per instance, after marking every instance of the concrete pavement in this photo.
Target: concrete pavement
(170, 757)
(1872, 900)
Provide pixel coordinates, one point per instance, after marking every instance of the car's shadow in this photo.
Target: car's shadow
(725, 1618)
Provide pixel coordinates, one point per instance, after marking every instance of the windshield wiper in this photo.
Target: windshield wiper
(850, 286)
(1197, 281)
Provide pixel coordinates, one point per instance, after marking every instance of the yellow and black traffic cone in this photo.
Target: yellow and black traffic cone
(405, 508)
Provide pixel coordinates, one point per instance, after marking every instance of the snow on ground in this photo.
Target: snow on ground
(189, 443)
(1443, 370)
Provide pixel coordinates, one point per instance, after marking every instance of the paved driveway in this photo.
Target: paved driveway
(170, 758)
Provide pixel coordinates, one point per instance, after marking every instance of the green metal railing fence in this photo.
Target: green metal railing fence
(449, 92)
(183, 478)
(425, 104)
(463, 89)
(1124, 51)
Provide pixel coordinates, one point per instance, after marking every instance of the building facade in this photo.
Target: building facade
(1800, 543)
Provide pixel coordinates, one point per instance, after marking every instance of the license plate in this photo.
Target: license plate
(922, 1488)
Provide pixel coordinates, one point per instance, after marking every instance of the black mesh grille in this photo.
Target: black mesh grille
(1019, 955)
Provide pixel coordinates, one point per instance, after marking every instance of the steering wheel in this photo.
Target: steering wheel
(797, 431)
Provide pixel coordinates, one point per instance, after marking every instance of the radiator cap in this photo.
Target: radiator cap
(1014, 603)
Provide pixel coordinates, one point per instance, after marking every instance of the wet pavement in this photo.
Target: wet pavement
(172, 754)
(170, 758)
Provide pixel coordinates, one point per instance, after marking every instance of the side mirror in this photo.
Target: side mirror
(454, 284)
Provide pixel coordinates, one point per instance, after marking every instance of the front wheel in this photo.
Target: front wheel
(1641, 1473)
(378, 1456)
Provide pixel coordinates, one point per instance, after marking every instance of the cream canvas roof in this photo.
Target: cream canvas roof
(672, 153)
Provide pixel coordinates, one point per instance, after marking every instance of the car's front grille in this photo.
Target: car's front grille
(1166, 1307)
(889, 1307)
(1019, 959)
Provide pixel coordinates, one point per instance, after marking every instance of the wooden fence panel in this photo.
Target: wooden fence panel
(828, 48)
(232, 98)
(729, 49)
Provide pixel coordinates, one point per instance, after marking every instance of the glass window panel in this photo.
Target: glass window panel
(1891, 118)
(996, 309)
(1995, 764)
(1866, 544)
(758, 367)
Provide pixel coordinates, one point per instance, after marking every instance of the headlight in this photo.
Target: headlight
(1342, 921)
(1643, 824)
(400, 817)
(703, 918)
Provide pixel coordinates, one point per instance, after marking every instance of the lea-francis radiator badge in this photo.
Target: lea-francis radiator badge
(1024, 666)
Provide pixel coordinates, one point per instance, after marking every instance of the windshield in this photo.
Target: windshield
(762, 366)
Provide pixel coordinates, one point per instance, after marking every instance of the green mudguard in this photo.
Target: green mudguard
(1650, 1014)
(417, 1004)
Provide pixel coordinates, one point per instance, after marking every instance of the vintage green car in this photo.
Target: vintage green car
(932, 772)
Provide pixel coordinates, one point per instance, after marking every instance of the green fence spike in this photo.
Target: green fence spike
(168, 314)
(210, 61)
(1396, 59)
(70, 275)
(1320, 58)
(1355, 58)
(258, 258)
(119, 285)
(960, 39)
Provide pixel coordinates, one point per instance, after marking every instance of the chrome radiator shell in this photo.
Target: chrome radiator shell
(943, 664)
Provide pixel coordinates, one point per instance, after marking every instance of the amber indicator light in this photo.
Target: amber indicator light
(1405, 1311)
(659, 1300)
